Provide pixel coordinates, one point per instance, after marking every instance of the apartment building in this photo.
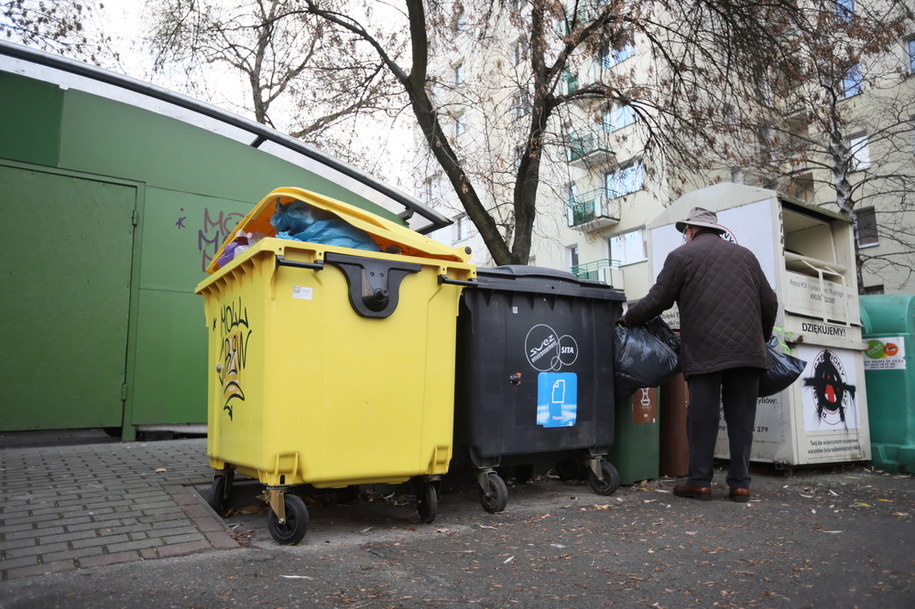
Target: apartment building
(599, 185)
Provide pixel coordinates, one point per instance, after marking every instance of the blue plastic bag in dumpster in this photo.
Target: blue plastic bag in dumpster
(646, 356)
(301, 222)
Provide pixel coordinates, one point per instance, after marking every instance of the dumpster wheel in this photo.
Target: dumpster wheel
(493, 492)
(610, 482)
(219, 491)
(293, 529)
(427, 502)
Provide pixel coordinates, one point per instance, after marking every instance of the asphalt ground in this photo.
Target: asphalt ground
(838, 536)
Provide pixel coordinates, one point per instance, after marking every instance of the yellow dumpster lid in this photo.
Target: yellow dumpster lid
(384, 232)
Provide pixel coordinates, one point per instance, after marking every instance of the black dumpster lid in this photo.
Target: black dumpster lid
(538, 279)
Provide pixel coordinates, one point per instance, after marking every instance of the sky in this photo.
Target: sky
(125, 21)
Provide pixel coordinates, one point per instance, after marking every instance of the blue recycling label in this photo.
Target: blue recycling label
(557, 399)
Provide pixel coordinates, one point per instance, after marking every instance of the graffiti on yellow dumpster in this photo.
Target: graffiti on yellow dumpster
(235, 336)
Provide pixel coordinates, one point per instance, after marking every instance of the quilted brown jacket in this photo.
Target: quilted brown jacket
(727, 308)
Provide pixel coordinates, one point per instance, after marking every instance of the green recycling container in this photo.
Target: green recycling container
(635, 450)
(889, 373)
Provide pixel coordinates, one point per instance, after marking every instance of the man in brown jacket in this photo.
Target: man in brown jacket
(727, 311)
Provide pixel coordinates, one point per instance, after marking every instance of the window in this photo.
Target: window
(521, 105)
(628, 248)
(573, 257)
(519, 52)
(519, 154)
(459, 73)
(571, 82)
(462, 227)
(625, 181)
(866, 225)
(910, 53)
(460, 125)
(435, 91)
(860, 153)
(432, 190)
(851, 82)
(845, 10)
(615, 56)
(460, 23)
(618, 117)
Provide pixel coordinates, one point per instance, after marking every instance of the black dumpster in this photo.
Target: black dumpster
(534, 376)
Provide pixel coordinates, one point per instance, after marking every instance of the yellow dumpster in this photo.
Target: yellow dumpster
(330, 366)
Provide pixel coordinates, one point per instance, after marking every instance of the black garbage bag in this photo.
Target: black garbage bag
(646, 356)
(785, 370)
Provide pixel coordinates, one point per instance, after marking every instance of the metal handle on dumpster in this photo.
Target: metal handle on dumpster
(315, 266)
(449, 281)
(374, 283)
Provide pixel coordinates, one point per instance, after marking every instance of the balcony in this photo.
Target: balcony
(589, 147)
(587, 72)
(592, 210)
(604, 269)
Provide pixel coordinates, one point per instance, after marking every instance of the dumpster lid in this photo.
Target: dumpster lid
(542, 280)
(887, 313)
(384, 232)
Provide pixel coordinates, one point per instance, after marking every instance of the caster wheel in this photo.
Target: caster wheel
(219, 493)
(610, 482)
(496, 497)
(296, 525)
(427, 502)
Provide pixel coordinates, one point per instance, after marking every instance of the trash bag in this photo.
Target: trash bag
(238, 246)
(785, 370)
(646, 356)
(302, 222)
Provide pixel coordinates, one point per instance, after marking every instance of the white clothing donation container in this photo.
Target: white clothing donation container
(807, 253)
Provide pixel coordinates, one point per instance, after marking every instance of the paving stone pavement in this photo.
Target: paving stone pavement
(69, 507)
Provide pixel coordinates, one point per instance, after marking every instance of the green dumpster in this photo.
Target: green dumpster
(889, 331)
(637, 436)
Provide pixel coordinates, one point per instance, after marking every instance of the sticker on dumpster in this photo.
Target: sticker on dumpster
(829, 383)
(301, 292)
(885, 354)
(557, 399)
(547, 351)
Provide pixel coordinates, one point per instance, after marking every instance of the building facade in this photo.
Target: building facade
(599, 185)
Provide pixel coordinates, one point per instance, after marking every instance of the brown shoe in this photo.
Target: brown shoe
(703, 493)
(740, 495)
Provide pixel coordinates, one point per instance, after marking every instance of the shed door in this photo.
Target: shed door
(67, 246)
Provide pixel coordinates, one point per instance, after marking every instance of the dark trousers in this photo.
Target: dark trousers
(734, 389)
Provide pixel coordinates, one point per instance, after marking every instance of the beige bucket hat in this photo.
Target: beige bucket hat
(701, 217)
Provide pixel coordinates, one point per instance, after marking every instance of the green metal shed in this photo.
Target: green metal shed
(114, 195)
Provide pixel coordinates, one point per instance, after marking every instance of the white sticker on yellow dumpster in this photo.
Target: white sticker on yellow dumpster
(301, 292)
